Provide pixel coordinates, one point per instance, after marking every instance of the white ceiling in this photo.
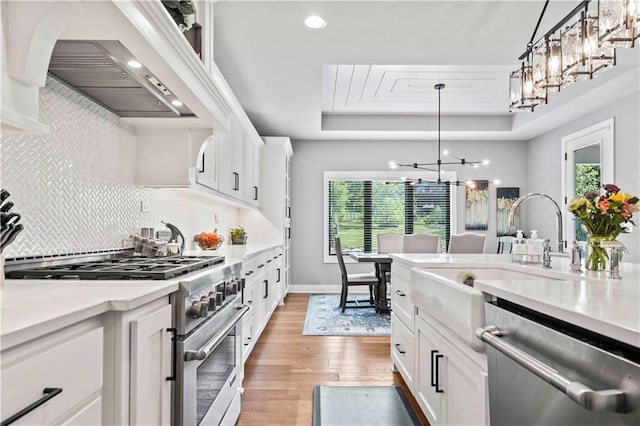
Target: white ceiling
(369, 74)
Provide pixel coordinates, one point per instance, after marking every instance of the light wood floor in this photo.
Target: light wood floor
(285, 365)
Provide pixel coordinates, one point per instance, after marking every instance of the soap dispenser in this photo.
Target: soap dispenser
(519, 248)
(535, 247)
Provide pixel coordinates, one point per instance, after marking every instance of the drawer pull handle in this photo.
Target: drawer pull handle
(48, 394)
(399, 293)
(398, 348)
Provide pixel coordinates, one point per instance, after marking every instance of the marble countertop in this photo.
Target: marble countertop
(589, 299)
(32, 308)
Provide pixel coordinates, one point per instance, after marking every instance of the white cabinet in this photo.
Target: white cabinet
(451, 388)
(401, 294)
(275, 201)
(140, 348)
(150, 366)
(237, 160)
(67, 366)
(207, 173)
(403, 352)
(252, 171)
(402, 349)
(262, 292)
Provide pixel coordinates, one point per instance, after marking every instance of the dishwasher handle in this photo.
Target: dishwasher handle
(613, 400)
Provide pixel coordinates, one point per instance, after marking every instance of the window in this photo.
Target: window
(361, 205)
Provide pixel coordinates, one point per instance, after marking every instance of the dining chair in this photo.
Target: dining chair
(390, 243)
(468, 242)
(349, 280)
(505, 244)
(421, 243)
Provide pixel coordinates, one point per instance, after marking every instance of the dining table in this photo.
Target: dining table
(382, 262)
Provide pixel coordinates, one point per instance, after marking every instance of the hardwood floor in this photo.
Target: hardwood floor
(285, 365)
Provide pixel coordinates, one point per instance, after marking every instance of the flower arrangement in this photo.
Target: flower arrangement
(603, 217)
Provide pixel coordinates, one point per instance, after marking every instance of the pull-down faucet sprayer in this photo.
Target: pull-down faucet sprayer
(560, 244)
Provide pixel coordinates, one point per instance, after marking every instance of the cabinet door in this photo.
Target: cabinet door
(402, 350)
(251, 187)
(226, 178)
(207, 167)
(428, 357)
(466, 389)
(150, 394)
(237, 156)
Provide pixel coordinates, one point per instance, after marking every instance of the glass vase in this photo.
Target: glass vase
(596, 256)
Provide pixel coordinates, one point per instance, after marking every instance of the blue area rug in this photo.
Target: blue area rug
(324, 318)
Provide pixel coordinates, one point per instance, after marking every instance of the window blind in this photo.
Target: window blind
(359, 210)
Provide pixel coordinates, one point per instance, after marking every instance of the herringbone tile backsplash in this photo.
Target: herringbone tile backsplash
(74, 187)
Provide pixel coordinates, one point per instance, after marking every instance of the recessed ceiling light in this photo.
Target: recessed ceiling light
(315, 22)
(176, 103)
(134, 64)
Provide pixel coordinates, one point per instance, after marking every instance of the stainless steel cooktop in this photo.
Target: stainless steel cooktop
(117, 268)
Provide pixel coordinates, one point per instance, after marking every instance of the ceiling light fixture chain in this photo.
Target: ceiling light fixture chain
(578, 47)
(439, 163)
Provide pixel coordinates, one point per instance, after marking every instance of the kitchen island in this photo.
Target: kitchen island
(588, 299)
(435, 318)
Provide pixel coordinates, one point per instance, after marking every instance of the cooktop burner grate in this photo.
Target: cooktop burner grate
(120, 268)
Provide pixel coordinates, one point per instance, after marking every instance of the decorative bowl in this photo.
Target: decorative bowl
(205, 242)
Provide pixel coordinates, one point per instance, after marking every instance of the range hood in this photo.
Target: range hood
(100, 71)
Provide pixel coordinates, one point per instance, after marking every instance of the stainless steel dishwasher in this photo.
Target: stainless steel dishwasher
(543, 371)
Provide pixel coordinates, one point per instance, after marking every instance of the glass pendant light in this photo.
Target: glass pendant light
(619, 22)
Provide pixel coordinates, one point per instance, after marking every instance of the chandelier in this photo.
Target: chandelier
(578, 47)
(439, 163)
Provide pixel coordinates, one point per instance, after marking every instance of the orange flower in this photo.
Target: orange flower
(603, 205)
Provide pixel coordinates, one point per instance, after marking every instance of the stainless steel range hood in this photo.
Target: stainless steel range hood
(99, 70)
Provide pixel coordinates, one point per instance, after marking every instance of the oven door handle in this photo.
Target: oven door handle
(208, 348)
(613, 400)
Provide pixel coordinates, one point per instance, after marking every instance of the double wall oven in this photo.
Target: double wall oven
(207, 313)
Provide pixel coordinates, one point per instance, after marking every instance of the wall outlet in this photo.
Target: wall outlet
(144, 207)
(216, 219)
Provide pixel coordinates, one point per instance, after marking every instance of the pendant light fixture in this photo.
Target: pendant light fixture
(578, 47)
(439, 163)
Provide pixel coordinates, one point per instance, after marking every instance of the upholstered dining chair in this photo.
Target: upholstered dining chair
(390, 243)
(468, 242)
(348, 280)
(505, 244)
(421, 243)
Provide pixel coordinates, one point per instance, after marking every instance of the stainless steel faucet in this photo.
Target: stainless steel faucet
(560, 244)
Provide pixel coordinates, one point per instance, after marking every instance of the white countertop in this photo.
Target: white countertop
(590, 299)
(32, 308)
(235, 252)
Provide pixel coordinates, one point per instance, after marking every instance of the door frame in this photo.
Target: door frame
(603, 133)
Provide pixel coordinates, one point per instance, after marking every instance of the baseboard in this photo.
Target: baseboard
(325, 289)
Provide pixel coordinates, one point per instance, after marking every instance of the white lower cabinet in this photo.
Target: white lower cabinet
(450, 387)
(263, 291)
(141, 362)
(66, 365)
(150, 366)
(402, 349)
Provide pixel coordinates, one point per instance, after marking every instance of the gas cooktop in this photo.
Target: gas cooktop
(118, 268)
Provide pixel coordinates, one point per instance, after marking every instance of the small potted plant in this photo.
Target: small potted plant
(238, 235)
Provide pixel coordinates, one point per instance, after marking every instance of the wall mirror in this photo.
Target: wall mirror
(588, 163)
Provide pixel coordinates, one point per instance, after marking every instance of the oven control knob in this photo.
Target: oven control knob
(198, 309)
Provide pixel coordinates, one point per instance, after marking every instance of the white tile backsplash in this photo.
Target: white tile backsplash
(74, 187)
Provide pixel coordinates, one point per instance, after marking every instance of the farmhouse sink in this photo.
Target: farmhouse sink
(448, 295)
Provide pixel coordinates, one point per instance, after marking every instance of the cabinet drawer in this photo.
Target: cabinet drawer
(402, 350)
(75, 366)
(401, 296)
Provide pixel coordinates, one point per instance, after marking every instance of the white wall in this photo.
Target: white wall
(314, 157)
(74, 187)
(544, 164)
